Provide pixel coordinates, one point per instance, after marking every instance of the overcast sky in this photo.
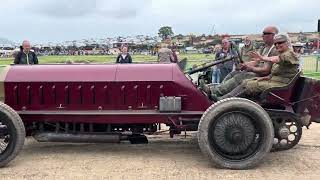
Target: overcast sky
(60, 20)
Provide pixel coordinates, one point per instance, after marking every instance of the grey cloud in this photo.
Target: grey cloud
(121, 8)
(70, 8)
(56, 20)
(125, 14)
(84, 8)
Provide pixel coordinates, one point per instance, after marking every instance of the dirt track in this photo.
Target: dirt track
(162, 158)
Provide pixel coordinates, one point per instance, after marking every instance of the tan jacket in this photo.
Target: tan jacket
(245, 53)
(165, 55)
(286, 68)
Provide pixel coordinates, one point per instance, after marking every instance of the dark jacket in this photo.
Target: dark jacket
(225, 68)
(21, 58)
(220, 55)
(127, 59)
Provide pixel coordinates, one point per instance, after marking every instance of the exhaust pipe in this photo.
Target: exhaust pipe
(79, 138)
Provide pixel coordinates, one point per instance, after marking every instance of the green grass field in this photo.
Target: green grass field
(315, 75)
(107, 58)
(309, 65)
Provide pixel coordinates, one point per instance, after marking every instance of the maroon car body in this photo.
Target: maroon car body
(111, 103)
(121, 94)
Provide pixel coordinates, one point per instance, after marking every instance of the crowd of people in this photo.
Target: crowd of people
(28, 56)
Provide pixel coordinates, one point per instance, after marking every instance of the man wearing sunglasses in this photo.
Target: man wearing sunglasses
(284, 68)
(249, 69)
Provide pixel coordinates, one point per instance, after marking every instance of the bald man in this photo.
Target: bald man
(25, 56)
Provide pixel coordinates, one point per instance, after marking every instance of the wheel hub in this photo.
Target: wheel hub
(284, 132)
(235, 136)
(234, 133)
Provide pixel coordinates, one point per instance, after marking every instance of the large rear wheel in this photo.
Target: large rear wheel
(235, 133)
(12, 134)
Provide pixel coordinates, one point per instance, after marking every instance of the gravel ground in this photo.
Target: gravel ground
(162, 158)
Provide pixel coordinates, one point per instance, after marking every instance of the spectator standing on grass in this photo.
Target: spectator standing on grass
(246, 49)
(25, 55)
(165, 55)
(222, 70)
(124, 57)
(174, 54)
(297, 48)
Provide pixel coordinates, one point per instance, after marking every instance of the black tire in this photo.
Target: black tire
(235, 133)
(16, 133)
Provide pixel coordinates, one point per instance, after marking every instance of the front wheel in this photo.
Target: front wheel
(12, 134)
(235, 133)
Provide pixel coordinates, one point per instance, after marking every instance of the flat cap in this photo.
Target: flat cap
(280, 38)
(297, 44)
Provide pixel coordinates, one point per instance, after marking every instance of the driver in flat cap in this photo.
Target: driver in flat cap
(284, 68)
